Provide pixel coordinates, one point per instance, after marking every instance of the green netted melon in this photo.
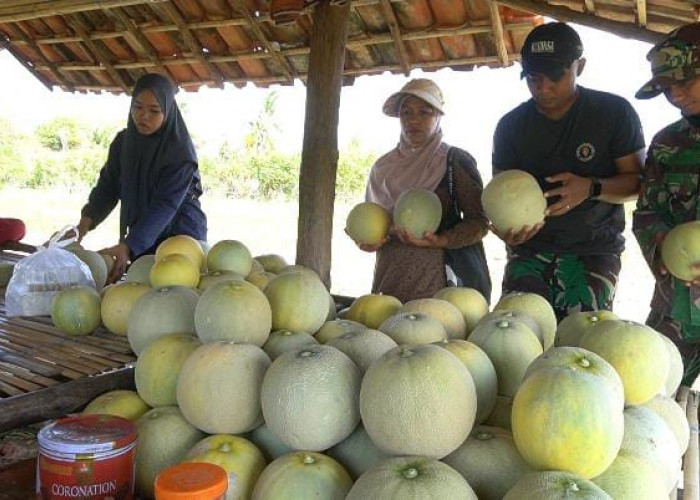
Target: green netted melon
(271, 263)
(270, 445)
(443, 311)
(470, 302)
(555, 485)
(371, 310)
(482, 371)
(122, 403)
(230, 255)
(76, 310)
(636, 351)
(511, 346)
(96, 263)
(6, 270)
(310, 397)
(489, 461)
(140, 269)
(403, 412)
(281, 341)
(303, 475)
(218, 389)
(233, 310)
(411, 477)
(160, 312)
(413, 328)
(501, 414)
(572, 328)
(368, 223)
(675, 367)
(214, 277)
(336, 328)
(512, 200)
(680, 250)
(363, 346)
(537, 308)
(673, 415)
(159, 365)
(299, 302)
(418, 211)
(357, 453)
(260, 279)
(631, 477)
(165, 438)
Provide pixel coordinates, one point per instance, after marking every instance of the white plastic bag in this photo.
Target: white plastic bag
(40, 276)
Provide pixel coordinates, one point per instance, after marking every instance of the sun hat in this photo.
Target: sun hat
(422, 88)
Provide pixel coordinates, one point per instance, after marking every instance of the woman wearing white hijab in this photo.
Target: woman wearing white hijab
(409, 268)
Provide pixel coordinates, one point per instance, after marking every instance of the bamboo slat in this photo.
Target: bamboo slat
(691, 465)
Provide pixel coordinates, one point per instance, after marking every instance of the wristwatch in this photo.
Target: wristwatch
(596, 188)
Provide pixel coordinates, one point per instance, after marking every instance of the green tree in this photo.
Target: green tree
(61, 134)
(260, 137)
(12, 165)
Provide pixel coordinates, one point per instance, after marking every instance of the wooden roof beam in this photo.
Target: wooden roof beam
(43, 8)
(287, 70)
(138, 38)
(642, 12)
(568, 15)
(395, 30)
(174, 14)
(498, 33)
(98, 52)
(590, 6)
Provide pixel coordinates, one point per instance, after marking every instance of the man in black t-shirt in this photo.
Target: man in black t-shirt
(585, 148)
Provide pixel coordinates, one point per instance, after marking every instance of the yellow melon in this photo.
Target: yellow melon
(537, 308)
(680, 250)
(357, 453)
(443, 311)
(371, 310)
(159, 365)
(117, 302)
(555, 485)
(413, 328)
(183, 245)
(233, 310)
(140, 269)
(160, 312)
(489, 461)
(336, 328)
(165, 437)
(76, 310)
(417, 211)
(368, 223)
(122, 403)
(403, 412)
(309, 397)
(575, 325)
(174, 269)
(482, 371)
(241, 459)
(299, 302)
(363, 346)
(470, 302)
(230, 255)
(512, 200)
(271, 262)
(260, 279)
(281, 341)
(636, 351)
(303, 475)
(411, 477)
(214, 277)
(218, 389)
(511, 346)
(568, 420)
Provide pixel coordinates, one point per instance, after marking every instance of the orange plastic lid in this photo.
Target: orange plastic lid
(191, 481)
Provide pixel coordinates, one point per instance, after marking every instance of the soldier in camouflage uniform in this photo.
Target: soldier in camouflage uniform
(670, 189)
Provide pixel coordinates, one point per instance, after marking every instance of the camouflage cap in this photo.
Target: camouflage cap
(676, 58)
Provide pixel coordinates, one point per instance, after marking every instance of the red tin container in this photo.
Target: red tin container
(87, 457)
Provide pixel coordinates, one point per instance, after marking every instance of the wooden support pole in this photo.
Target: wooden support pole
(139, 39)
(319, 156)
(286, 69)
(691, 469)
(98, 51)
(590, 6)
(642, 12)
(192, 42)
(501, 48)
(568, 15)
(395, 30)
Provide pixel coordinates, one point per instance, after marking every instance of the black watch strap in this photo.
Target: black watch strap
(596, 188)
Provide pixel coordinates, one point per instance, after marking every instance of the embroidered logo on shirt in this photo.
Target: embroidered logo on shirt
(542, 46)
(585, 152)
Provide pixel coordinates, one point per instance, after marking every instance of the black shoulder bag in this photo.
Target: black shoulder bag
(465, 266)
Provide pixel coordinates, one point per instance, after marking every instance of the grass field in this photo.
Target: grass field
(271, 227)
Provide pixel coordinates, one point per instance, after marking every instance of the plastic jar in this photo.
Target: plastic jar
(90, 457)
(192, 481)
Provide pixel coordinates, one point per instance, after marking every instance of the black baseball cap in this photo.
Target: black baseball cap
(550, 49)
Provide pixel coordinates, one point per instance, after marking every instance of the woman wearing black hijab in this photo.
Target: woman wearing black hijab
(152, 169)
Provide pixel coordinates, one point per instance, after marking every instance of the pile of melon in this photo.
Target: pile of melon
(434, 398)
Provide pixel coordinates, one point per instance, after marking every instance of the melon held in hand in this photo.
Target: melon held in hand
(512, 200)
(418, 211)
(680, 250)
(368, 223)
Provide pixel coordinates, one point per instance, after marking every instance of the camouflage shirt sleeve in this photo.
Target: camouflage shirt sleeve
(650, 220)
